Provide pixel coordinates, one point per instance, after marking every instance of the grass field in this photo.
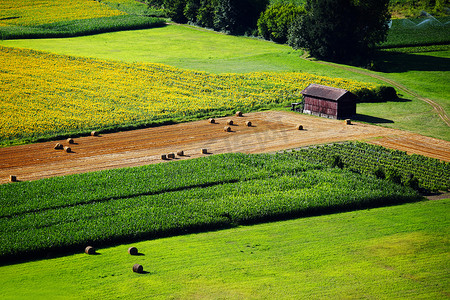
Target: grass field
(398, 252)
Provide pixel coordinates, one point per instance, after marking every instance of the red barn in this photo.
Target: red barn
(329, 102)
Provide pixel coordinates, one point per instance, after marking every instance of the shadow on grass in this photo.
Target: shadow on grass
(371, 119)
(397, 62)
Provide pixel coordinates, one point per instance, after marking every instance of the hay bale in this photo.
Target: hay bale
(211, 120)
(204, 151)
(133, 251)
(239, 114)
(12, 178)
(67, 149)
(180, 153)
(348, 121)
(163, 156)
(171, 155)
(137, 268)
(300, 127)
(230, 122)
(58, 146)
(70, 140)
(248, 124)
(227, 129)
(94, 133)
(89, 250)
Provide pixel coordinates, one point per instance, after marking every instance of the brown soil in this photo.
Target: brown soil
(271, 131)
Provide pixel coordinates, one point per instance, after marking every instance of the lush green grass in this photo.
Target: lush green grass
(189, 48)
(397, 252)
(409, 114)
(426, 73)
(61, 214)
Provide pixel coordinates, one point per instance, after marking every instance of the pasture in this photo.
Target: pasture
(383, 253)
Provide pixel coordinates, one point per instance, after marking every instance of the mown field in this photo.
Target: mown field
(46, 95)
(396, 252)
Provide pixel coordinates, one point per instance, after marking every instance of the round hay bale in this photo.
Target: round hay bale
(229, 122)
(180, 153)
(94, 133)
(89, 250)
(163, 156)
(300, 127)
(227, 129)
(70, 140)
(248, 124)
(67, 149)
(171, 155)
(204, 151)
(58, 146)
(211, 120)
(133, 251)
(137, 268)
(239, 114)
(12, 178)
(348, 121)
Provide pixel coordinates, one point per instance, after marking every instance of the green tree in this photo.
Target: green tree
(341, 30)
(175, 10)
(238, 16)
(191, 10)
(206, 13)
(276, 20)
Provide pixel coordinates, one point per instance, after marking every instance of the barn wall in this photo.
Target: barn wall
(320, 107)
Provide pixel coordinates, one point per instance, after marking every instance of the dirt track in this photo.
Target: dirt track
(271, 131)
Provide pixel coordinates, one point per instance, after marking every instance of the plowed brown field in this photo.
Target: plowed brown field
(271, 131)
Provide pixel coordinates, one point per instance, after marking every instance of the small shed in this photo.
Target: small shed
(329, 102)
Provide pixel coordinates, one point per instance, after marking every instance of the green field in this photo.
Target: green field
(397, 252)
(63, 213)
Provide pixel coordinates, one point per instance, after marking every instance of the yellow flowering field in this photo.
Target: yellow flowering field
(45, 94)
(35, 12)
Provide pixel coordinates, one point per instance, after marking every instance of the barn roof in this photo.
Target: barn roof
(323, 91)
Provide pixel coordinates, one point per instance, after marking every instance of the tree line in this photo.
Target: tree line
(337, 30)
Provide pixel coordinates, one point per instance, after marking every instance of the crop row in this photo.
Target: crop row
(417, 171)
(72, 28)
(283, 187)
(46, 95)
(416, 32)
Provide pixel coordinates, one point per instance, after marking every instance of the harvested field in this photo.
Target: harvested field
(271, 131)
